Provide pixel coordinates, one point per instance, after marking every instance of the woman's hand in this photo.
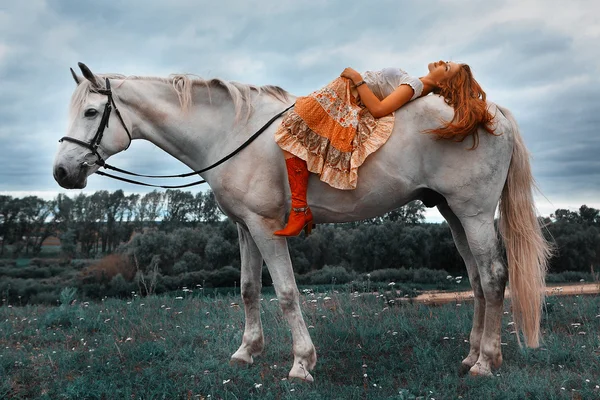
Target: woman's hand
(351, 74)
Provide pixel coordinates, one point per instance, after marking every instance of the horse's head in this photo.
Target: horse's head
(96, 131)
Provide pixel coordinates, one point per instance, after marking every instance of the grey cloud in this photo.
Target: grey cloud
(525, 53)
(215, 38)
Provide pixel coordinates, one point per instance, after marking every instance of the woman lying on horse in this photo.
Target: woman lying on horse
(333, 130)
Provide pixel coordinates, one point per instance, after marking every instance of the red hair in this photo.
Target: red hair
(463, 93)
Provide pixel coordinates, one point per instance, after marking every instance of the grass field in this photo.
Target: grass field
(368, 348)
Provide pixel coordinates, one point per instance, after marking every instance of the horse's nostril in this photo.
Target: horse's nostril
(60, 173)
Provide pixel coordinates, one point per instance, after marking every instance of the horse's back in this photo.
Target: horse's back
(414, 165)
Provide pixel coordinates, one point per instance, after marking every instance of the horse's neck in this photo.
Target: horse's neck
(192, 135)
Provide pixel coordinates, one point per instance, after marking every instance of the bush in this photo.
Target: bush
(93, 290)
(390, 275)
(107, 268)
(225, 277)
(188, 262)
(50, 298)
(327, 275)
(80, 263)
(424, 275)
(189, 280)
(120, 287)
(31, 272)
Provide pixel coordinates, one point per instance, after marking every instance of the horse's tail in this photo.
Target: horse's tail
(527, 251)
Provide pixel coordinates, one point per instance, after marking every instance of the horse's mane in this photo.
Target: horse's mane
(183, 84)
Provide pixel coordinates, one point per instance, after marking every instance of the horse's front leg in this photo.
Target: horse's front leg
(275, 251)
(251, 271)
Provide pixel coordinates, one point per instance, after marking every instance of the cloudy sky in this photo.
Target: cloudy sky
(539, 58)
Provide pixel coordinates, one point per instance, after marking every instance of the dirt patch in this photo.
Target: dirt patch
(436, 297)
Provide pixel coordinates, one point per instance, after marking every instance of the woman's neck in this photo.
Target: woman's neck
(429, 85)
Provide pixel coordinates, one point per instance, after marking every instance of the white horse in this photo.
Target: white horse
(197, 121)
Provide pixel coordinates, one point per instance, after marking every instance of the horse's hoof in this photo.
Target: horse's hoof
(304, 377)
(479, 370)
(300, 372)
(240, 362)
(464, 369)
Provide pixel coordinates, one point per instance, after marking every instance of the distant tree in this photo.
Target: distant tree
(178, 208)
(63, 212)
(576, 246)
(131, 202)
(34, 215)
(210, 209)
(150, 207)
(196, 209)
(116, 206)
(88, 213)
(562, 215)
(9, 211)
(585, 215)
(68, 243)
(443, 253)
(409, 214)
(589, 215)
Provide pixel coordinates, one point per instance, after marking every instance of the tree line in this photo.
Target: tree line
(94, 224)
(187, 231)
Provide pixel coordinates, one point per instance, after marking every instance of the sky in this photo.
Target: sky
(539, 58)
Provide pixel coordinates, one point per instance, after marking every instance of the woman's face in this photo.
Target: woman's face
(443, 70)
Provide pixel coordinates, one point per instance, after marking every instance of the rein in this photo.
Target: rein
(95, 143)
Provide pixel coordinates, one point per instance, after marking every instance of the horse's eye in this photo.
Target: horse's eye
(90, 112)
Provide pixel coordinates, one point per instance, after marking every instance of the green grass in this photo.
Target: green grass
(164, 347)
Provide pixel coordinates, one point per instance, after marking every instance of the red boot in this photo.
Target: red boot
(300, 216)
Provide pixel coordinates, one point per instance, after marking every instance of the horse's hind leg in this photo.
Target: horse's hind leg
(251, 269)
(493, 274)
(275, 251)
(460, 239)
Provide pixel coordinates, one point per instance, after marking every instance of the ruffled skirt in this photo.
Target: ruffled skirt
(333, 133)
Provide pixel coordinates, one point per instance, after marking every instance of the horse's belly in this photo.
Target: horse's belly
(379, 190)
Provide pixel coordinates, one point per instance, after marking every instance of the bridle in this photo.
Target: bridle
(95, 142)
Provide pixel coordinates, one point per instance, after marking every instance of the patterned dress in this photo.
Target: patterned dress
(334, 132)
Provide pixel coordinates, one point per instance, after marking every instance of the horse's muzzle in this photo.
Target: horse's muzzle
(68, 180)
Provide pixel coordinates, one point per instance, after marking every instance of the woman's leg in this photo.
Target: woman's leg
(300, 215)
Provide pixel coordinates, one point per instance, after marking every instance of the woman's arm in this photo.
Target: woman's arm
(379, 108)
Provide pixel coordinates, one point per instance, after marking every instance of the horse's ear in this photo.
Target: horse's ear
(88, 74)
(75, 77)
